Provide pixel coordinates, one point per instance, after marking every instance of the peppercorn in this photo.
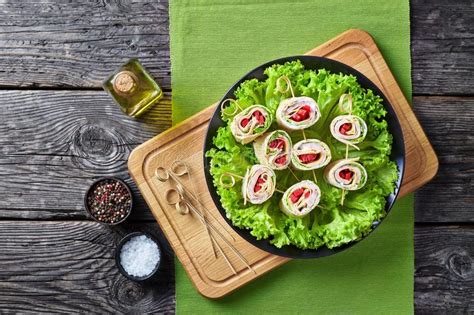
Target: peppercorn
(109, 201)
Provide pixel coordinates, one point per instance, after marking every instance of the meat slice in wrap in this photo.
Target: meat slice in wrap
(250, 123)
(274, 149)
(259, 184)
(346, 174)
(297, 113)
(310, 154)
(348, 129)
(300, 199)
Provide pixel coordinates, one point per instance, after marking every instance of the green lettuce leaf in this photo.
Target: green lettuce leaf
(330, 224)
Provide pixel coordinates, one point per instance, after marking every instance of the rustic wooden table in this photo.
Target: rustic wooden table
(59, 130)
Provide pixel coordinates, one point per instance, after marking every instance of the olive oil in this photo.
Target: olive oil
(133, 89)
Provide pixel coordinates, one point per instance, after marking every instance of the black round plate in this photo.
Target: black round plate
(314, 63)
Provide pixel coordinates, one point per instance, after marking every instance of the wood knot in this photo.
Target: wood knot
(97, 145)
(461, 264)
(128, 292)
(93, 140)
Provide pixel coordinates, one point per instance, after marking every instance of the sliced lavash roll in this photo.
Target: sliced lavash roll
(274, 149)
(310, 154)
(259, 184)
(297, 113)
(348, 129)
(251, 123)
(346, 174)
(300, 199)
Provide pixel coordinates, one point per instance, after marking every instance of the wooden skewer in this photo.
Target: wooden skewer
(213, 240)
(187, 171)
(190, 194)
(238, 176)
(226, 259)
(288, 85)
(314, 177)
(232, 174)
(291, 171)
(290, 88)
(237, 107)
(341, 107)
(236, 252)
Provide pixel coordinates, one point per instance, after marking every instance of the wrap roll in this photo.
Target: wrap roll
(250, 123)
(274, 149)
(297, 113)
(348, 129)
(310, 154)
(300, 199)
(346, 174)
(259, 184)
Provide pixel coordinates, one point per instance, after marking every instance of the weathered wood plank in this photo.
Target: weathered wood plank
(442, 46)
(444, 276)
(54, 44)
(53, 144)
(69, 267)
(447, 122)
(79, 43)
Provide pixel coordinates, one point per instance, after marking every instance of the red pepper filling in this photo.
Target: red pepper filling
(258, 115)
(296, 195)
(281, 160)
(301, 114)
(345, 128)
(244, 122)
(346, 174)
(308, 158)
(277, 144)
(259, 183)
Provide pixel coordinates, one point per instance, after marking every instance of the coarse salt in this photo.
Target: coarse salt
(139, 256)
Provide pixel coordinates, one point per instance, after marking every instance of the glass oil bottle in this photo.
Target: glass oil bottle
(133, 89)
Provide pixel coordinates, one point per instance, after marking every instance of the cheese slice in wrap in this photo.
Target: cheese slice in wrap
(274, 149)
(300, 199)
(348, 129)
(297, 113)
(250, 123)
(346, 174)
(310, 154)
(259, 184)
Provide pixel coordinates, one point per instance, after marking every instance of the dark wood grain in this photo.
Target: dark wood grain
(447, 122)
(442, 46)
(53, 43)
(69, 267)
(70, 44)
(444, 276)
(53, 144)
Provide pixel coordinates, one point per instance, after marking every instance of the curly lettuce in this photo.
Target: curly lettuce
(330, 224)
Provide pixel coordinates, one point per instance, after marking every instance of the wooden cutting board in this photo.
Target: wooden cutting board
(212, 276)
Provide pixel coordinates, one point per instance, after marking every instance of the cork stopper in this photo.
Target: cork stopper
(124, 82)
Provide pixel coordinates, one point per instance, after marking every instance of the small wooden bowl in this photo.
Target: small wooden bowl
(86, 204)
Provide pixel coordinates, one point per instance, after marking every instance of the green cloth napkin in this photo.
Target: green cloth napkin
(213, 43)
